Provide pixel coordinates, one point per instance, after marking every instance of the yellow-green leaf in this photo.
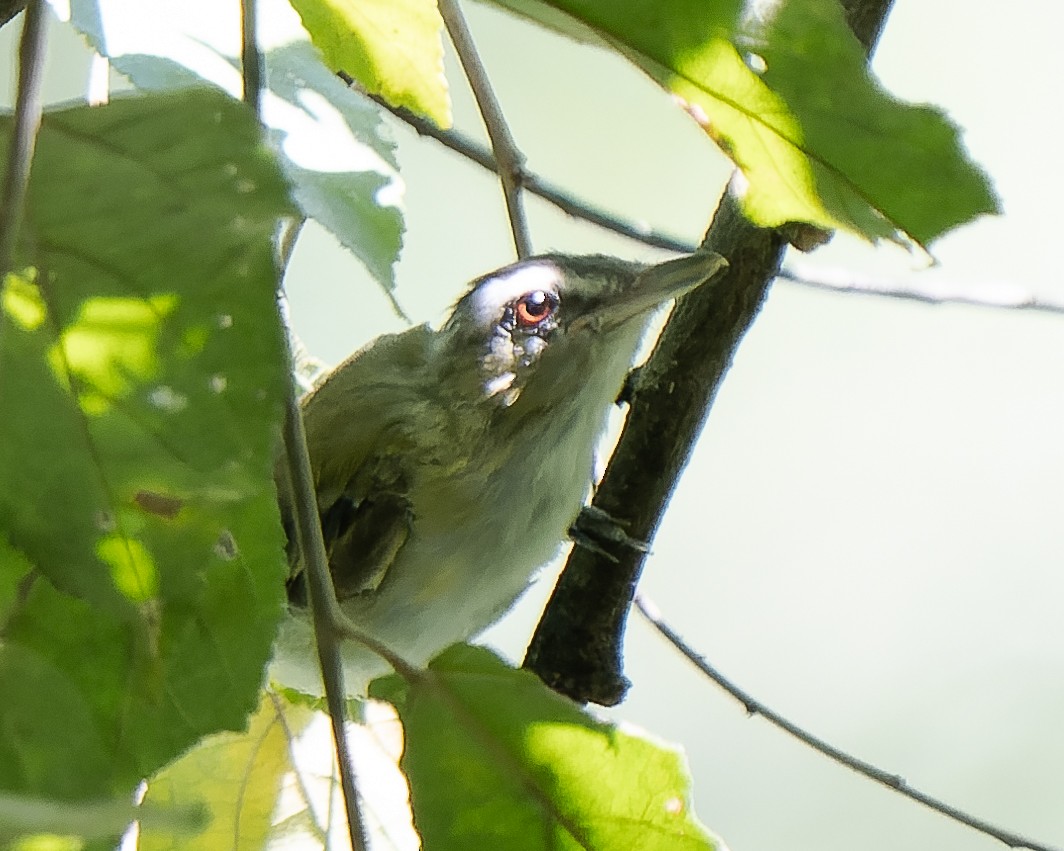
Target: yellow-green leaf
(238, 775)
(392, 47)
(497, 760)
(787, 94)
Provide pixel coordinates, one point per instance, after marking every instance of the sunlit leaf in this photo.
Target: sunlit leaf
(786, 93)
(392, 47)
(328, 139)
(141, 372)
(497, 760)
(239, 774)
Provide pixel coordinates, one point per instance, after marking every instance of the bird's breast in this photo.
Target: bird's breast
(481, 531)
(507, 508)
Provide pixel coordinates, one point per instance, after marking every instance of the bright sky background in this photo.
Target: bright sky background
(869, 535)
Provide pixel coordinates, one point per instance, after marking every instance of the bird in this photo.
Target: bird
(449, 464)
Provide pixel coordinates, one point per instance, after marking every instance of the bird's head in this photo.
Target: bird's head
(556, 325)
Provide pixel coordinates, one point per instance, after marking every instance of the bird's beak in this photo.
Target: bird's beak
(655, 285)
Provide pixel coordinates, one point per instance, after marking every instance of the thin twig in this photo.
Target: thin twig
(250, 58)
(323, 605)
(1000, 296)
(24, 134)
(286, 241)
(565, 201)
(510, 160)
(892, 781)
(346, 629)
(324, 609)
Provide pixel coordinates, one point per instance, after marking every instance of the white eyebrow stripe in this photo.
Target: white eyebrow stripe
(494, 292)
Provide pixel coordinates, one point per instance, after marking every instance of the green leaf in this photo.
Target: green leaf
(329, 140)
(239, 774)
(392, 47)
(816, 137)
(497, 760)
(42, 823)
(141, 373)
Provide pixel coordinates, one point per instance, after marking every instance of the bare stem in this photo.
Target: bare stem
(24, 135)
(998, 295)
(509, 158)
(865, 769)
(324, 609)
(565, 201)
(250, 58)
(346, 629)
(577, 647)
(995, 295)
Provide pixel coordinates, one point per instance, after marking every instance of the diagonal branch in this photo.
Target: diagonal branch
(10, 8)
(1005, 295)
(577, 646)
(509, 158)
(24, 133)
(323, 605)
(866, 769)
(1000, 295)
(565, 201)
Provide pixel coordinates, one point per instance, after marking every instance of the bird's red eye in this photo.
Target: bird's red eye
(532, 308)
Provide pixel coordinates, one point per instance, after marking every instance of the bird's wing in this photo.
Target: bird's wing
(366, 528)
(359, 435)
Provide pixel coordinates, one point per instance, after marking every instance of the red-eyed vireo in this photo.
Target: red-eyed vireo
(450, 464)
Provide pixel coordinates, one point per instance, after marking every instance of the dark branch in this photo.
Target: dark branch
(532, 183)
(250, 57)
(997, 296)
(24, 132)
(10, 8)
(577, 646)
(867, 19)
(323, 606)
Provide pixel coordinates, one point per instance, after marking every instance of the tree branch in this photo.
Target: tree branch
(999, 295)
(577, 646)
(866, 769)
(10, 8)
(24, 133)
(324, 609)
(250, 58)
(867, 19)
(552, 193)
(509, 158)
